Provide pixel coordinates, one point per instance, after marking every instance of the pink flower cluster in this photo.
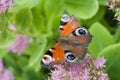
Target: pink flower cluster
(5, 4)
(88, 69)
(115, 6)
(112, 4)
(20, 43)
(12, 27)
(5, 74)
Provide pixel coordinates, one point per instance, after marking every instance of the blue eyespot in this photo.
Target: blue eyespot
(70, 57)
(80, 32)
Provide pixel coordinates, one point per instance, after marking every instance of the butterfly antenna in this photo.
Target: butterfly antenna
(65, 12)
(55, 39)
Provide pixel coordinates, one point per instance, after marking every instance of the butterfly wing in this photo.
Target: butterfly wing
(73, 37)
(72, 53)
(54, 55)
(82, 35)
(70, 28)
(67, 25)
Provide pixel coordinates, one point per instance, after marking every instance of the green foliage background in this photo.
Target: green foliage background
(39, 19)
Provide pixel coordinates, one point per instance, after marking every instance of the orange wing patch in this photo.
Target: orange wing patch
(58, 53)
(69, 27)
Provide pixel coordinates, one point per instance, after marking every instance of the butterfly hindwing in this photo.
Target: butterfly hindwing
(53, 55)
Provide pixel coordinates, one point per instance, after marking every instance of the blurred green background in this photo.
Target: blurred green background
(39, 19)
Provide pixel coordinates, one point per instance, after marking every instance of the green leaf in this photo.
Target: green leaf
(31, 48)
(6, 39)
(101, 38)
(20, 4)
(22, 62)
(82, 9)
(23, 19)
(112, 54)
(4, 34)
(10, 61)
(98, 17)
(37, 56)
(53, 8)
(38, 20)
(102, 2)
(3, 53)
(117, 35)
(30, 74)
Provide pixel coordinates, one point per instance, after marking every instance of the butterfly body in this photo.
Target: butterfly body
(71, 45)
